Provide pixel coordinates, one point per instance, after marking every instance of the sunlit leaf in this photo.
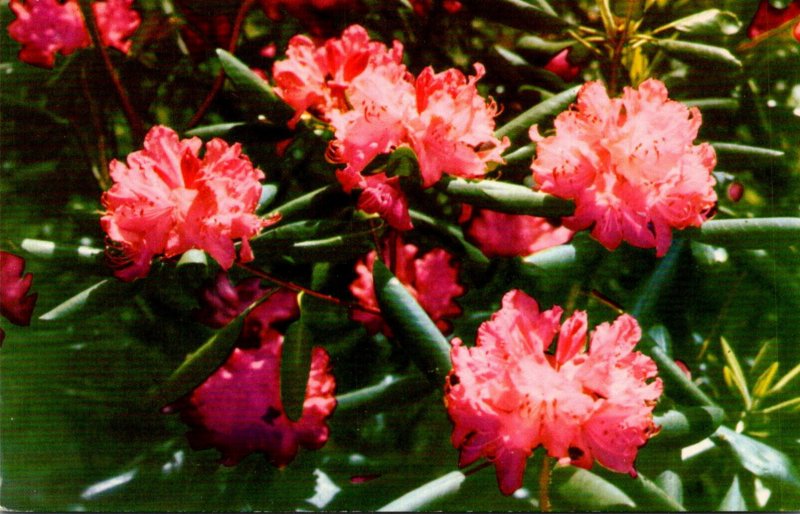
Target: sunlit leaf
(765, 381)
(736, 373)
(710, 21)
(423, 496)
(733, 500)
(412, 327)
(657, 497)
(505, 197)
(671, 483)
(584, 490)
(784, 381)
(254, 90)
(700, 53)
(758, 458)
(93, 300)
(687, 425)
(64, 253)
(748, 232)
(518, 127)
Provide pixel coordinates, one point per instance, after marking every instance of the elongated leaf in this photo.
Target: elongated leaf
(765, 381)
(580, 489)
(254, 90)
(295, 364)
(671, 483)
(656, 496)
(544, 47)
(785, 380)
(578, 254)
(94, 300)
(200, 364)
(412, 327)
(734, 500)
(657, 283)
(255, 132)
(323, 199)
(708, 22)
(737, 375)
(64, 253)
(770, 273)
(517, 14)
(748, 232)
(505, 197)
(388, 394)
(517, 128)
(300, 232)
(687, 426)
(696, 52)
(523, 153)
(758, 458)
(676, 384)
(216, 130)
(452, 237)
(421, 497)
(714, 104)
(736, 156)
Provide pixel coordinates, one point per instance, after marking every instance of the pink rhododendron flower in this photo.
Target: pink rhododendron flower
(561, 66)
(383, 196)
(509, 235)
(629, 164)
(167, 200)
(768, 17)
(431, 279)
(16, 304)
(238, 410)
(45, 27)
(508, 395)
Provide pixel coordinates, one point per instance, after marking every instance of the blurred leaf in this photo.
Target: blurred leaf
(210, 131)
(791, 375)
(505, 197)
(200, 364)
(390, 393)
(268, 194)
(687, 426)
(676, 384)
(411, 326)
(671, 483)
(583, 490)
(737, 152)
(659, 281)
(767, 355)
(295, 364)
(737, 375)
(696, 52)
(523, 153)
(748, 232)
(255, 90)
(711, 104)
(765, 381)
(402, 162)
(517, 128)
(656, 496)
(63, 253)
(733, 500)
(708, 22)
(329, 197)
(544, 47)
(421, 497)
(760, 459)
(315, 240)
(795, 402)
(452, 236)
(518, 14)
(94, 300)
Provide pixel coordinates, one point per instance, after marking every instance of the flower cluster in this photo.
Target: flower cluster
(45, 27)
(431, 279)
(167, 200)
(498, 234)
(629, 164)
(375, 105)
(508, 395)
(16, 304)
(238, 409)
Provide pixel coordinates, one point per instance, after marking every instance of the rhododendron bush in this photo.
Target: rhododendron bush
(474, 255)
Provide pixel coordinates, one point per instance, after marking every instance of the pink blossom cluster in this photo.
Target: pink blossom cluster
(47, 27)
(16, 305)
(432, 280)
(511, 393)
(238, 409)
(167, 200)
(629, 164)
(375, 105)
(498, 234)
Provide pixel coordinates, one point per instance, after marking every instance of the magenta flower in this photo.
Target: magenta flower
(47, 27)
(768, 17)
(561, 66)
(508, 395)
(431, 279)
(16, 304)
(509, 235)
(168, 200)
(238, 410)
(629, 164)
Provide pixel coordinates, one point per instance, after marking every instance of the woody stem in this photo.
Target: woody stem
(544, 483)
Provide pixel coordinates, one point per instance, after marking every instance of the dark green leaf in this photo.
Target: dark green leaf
(523, 153)
(295, 365)
(94, 300)
(517, 128)
(310, 240)
(734, 500)
(423, 496)
(583, 490)
(671, 483)
(658, 282)
(699, 53)
(657, 497)
(578, 254)
(748, 232)
(200, 364)
(543, 47)
(708, 22)
(505, 197)
(390, 393)
(751, 153)
(255, 90)
(676, 384)
(411, 326)
(453, 237)
(210, 131)
(328, 197)
(687, 426)
(517, 14)
(758, 458)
